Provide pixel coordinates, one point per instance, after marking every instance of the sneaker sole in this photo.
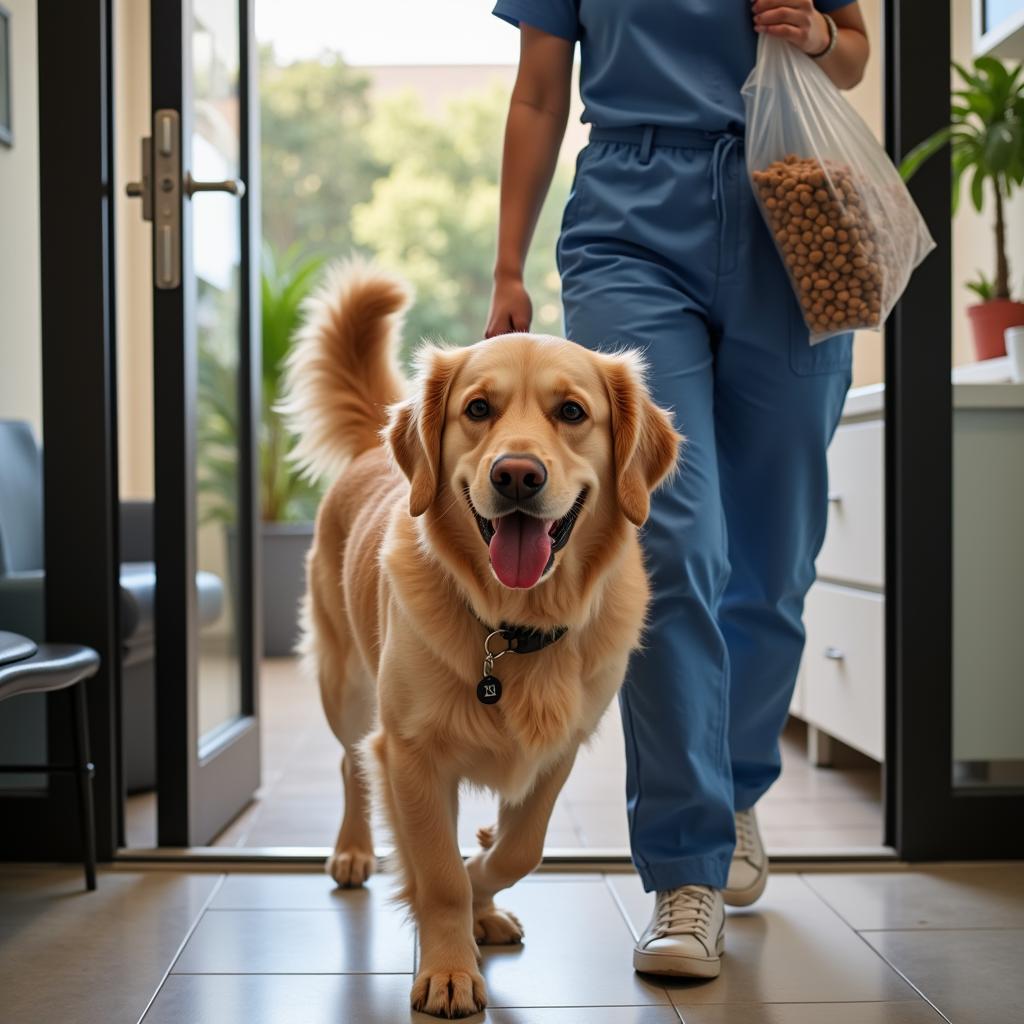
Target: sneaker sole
(744, 897)
(679, 966)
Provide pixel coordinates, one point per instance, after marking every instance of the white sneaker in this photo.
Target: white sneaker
(686, 935)
(748, 873)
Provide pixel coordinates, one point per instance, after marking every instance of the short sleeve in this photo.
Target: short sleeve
(828, 6)
(557, 17)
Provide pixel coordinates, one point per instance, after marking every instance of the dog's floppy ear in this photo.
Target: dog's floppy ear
(416, 425)
(645, 443)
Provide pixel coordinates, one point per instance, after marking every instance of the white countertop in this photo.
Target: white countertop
(984, 385)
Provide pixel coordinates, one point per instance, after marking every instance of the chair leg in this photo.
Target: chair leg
(84, 778)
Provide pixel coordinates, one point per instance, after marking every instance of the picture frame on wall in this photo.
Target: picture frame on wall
(6, 131)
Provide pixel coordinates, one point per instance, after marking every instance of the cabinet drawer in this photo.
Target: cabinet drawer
(854, 549)
(844, 666)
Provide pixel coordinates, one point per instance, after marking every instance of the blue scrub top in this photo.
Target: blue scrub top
(679, 63)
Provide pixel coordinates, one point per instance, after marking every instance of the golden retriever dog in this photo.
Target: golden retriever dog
(491, 506)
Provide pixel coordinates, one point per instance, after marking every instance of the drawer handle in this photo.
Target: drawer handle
(835, 498)
(834, 654)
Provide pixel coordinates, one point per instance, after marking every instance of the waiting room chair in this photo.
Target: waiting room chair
(28, 668)
(22, 581)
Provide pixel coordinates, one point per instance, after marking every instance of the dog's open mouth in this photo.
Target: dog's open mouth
(522, 547)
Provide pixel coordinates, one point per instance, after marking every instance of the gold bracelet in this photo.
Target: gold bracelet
(833, 38)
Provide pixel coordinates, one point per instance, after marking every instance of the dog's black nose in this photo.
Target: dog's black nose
(518, 476)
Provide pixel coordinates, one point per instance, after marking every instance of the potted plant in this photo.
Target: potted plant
(287, 499)
(986, 135)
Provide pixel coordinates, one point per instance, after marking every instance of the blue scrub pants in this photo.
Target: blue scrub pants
(664, 248)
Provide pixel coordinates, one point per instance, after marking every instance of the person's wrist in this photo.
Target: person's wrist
(508, 274)
(819, 44)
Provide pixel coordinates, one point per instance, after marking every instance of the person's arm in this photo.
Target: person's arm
(537, 116)
(801, 23)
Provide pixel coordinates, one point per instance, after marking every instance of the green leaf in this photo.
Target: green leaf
(1001, 147)
(977, 188)
(924, 151)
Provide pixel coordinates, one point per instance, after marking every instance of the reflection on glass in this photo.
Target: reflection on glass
(216, 263)
(988, 573)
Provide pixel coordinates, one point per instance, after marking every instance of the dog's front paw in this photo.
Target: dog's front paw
(449, 992)
(493, 926)
(351, 867)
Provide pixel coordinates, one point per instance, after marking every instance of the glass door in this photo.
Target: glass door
(198, 191)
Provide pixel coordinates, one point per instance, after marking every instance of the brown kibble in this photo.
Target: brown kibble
(836, 260)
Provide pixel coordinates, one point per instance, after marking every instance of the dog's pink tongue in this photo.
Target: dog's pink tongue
(520, 549)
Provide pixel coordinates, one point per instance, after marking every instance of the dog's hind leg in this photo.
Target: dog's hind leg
(516, 847)
(352, 861)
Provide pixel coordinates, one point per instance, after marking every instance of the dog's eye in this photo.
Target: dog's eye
(572, 412)
(478, 409)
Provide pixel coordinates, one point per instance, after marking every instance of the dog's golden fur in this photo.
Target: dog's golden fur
(400, 584)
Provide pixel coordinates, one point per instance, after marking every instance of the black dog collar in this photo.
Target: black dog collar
(520, 640)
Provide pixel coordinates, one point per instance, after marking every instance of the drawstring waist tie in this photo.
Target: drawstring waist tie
(721, 145)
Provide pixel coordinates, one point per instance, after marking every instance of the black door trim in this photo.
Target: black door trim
(927, 818)
(76, 233)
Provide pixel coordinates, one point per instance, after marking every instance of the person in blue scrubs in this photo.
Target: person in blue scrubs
(663, 248)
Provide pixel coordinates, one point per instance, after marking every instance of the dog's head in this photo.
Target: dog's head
(522, 441)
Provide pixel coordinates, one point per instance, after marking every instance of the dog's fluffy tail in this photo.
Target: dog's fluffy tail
(342, 372)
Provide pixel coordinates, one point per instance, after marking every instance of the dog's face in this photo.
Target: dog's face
(528, 439)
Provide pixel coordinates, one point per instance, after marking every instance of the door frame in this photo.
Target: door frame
(200, 790)
(79, 409)
(927, 817)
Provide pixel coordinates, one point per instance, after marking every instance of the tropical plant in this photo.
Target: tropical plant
(986, 135)
(284, 493)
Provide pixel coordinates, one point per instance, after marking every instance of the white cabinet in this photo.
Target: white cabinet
(841, 686)
(844, 662)
(854, 548)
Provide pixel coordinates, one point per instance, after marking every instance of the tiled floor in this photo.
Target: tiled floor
(844, 947)
(299, 803)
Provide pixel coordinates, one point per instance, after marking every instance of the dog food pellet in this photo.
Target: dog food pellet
(828, 244)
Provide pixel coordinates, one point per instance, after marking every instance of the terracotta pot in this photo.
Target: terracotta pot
(989, 321)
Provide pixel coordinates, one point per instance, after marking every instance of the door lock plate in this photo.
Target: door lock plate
(166, 188)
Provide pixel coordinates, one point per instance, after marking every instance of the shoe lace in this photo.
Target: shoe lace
(746, 843)
(684, 911)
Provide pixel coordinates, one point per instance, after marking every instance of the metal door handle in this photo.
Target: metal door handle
(232, 186)
(834, 654)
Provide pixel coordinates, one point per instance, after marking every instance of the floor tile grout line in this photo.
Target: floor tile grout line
(939, 928)
(895, 969)
(181, 946)
(292, 974)
(629, 928)
(877, 953)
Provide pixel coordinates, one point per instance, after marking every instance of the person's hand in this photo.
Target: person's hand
(511, 309)
(797, 21)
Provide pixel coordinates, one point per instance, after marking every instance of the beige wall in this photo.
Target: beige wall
(20, 367)
(134, 255)
(973, 243)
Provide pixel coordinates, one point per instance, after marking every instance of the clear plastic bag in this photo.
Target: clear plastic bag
(843, 221)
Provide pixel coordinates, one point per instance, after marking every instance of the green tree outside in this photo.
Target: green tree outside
(417, 192)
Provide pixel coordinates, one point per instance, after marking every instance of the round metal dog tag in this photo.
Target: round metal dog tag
(488, 690)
